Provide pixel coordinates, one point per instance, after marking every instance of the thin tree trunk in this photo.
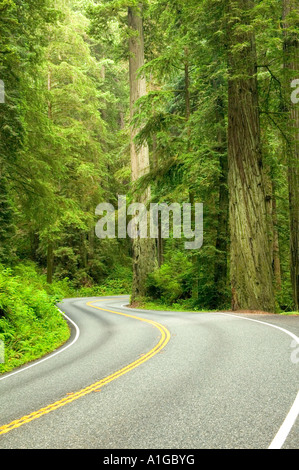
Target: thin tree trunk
(250, 263)
(122, 119)
(34, 244)
(50, 262)
(143, 249)
(272, 225)
(160, 245)
(194, 256)
(155, 163)
(50, 247)
(291, 67)
(272, 217)
(83, 249)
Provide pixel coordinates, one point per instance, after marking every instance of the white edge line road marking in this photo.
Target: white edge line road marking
(292, 415)
(286, 426)
(50, 355)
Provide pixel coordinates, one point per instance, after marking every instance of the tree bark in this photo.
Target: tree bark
(50, 247)
(291, 68)
(276, 255)
(250, 258)
(160, 244)
(50, 262)
(143, 249)
(221, 271)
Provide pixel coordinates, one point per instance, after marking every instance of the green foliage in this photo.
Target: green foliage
(189, 145)
(64, 148)
(172, 281)
(30, 324)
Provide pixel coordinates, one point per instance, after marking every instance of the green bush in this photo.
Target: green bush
(172, 281)
(30, 324)
(284, 298)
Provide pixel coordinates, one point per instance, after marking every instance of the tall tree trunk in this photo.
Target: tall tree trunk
(143, 249)
(276, 255)
(160, 244)
(271, 214)
(50, 247)
(155, 164)
(220, 273)
(194, 256)
(291, 67)
(250, 263)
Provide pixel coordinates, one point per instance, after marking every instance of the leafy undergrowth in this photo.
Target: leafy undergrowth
(30, 324)
(110, 287)
(290, 313)
(183, 306)
(187, 306)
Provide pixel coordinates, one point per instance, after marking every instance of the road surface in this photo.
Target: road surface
(136, 379)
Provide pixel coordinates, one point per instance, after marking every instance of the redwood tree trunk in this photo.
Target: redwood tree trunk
(250, 257)
(291, 67)
(143, 249)
(220, 274)
(276, 255)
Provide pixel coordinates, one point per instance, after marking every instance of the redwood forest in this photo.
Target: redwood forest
(188, 103)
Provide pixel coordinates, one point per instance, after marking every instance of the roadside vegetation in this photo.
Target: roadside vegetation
(31, 326)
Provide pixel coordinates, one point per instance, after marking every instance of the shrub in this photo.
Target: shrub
(172, 281)
(30, 325)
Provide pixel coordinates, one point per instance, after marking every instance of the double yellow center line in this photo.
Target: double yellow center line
(164, 338)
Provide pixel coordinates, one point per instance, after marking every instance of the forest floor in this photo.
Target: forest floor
(152, 305)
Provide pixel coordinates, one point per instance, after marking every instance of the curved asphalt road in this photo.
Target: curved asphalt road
(193, 381)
